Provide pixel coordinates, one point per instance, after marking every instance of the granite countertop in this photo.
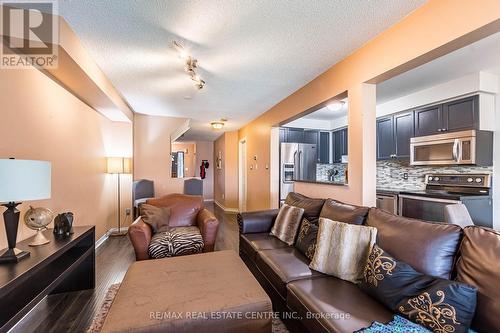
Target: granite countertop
(388, 190)
(321, 182)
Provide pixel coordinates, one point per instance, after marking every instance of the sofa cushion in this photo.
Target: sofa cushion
(281, 266)
(183, 208)
(342, 249)
(251, 244)
(339, 211)
(176, 242)
(306, 240)
(479, 266)
(336, 305)
(428, 247)
(312, 207)
(287, 223)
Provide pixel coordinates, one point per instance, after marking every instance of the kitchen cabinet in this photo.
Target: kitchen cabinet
(429, 120)
(282, 134)
(311, 136)
(339, 144)
(404, 130)
(385, 138)
(295, 135)
(457, 115)
(462, 114)
(324, 147)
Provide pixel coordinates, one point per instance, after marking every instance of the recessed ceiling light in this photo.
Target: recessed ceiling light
(335, 105)
(217, 125)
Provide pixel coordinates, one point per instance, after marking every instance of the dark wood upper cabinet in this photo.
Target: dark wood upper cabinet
(295, 135)
(404, 130)
(385, 138)
(462, 114)
(324, 147)
(428, 120)
(282, 134)
(311, 136)
(339, 145)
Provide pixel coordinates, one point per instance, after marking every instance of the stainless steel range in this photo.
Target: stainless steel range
(473, 190)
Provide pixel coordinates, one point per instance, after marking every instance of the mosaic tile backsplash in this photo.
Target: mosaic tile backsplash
(337, 170)
(391, 174)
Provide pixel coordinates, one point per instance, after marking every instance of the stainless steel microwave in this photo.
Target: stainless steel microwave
(472, 147)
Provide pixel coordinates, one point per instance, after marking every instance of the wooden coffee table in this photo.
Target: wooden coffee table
(209, 292)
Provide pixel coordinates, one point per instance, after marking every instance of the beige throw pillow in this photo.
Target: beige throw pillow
(287, 223)
(342, 249)
(156, 217)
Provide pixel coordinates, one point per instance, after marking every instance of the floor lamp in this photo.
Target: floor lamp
(118, 166)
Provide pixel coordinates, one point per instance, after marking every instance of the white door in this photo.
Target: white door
(243, 175)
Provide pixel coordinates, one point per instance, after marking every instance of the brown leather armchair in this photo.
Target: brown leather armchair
(185, 210)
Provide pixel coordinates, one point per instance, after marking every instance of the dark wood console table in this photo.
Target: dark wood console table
(63, 265)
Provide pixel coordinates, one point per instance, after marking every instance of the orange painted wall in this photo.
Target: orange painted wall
(226, 178)
(152, 149)
(436, 28)
(41, 120)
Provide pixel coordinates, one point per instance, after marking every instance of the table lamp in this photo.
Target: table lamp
(20, 180)
(119, 165)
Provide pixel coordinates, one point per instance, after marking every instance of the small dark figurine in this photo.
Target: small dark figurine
(63, 224)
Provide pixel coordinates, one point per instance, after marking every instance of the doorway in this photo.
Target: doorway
(242, 175)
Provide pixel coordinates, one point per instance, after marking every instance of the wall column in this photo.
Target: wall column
(362, 142)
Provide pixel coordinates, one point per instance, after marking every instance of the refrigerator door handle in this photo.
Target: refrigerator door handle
(301, 177)
(295, 167)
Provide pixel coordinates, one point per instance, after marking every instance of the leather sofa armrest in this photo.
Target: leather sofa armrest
(256, 222)
(140, 234)
(208, 225)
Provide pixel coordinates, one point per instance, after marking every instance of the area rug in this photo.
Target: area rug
(98, 321)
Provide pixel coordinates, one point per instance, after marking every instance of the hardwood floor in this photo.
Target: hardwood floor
(73, 312)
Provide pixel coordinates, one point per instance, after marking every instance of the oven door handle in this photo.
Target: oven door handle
(415, 197)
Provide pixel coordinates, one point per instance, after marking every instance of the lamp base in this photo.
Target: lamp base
(117, 233)
(13, 255)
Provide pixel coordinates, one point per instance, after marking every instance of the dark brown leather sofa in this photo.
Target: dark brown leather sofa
(185, 210)
(313, 302)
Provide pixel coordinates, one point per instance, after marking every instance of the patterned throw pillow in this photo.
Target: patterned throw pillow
(440, 305)
(342, 249)
(306, 240)
(287, 223)
(177, 241)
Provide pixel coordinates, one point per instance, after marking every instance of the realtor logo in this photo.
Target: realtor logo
(29, 31)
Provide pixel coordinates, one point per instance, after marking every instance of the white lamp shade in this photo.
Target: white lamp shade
(24, 180)
(119, 165)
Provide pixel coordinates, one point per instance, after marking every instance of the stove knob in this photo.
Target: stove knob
(436, 179)
(431, 178)
(470, 180)
(479, 180)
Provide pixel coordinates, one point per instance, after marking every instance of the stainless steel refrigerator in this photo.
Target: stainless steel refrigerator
(298, 162)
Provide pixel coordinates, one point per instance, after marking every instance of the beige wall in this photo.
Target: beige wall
(205, 151)
(40, 120)
(152, 147)
(436, 28)
(226, 178)
(189, 149)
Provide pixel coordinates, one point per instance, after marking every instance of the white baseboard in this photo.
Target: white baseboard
(227, 209)
(208, 200)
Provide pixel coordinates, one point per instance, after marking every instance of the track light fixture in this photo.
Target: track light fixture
(191, 64)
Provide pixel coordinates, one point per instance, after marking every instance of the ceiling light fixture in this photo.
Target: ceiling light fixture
(217, 125)
(335, 106)
(191, 64)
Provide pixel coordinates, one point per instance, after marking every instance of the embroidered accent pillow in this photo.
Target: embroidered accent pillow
(157, 217)
(342, 249)
(306, 240)
(440, 305)
(287, 223)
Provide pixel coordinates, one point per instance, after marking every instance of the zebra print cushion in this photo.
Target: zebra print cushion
(176, 242)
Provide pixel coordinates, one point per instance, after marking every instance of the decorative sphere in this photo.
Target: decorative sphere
(38, 218)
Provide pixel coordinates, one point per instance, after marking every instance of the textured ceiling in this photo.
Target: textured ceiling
(483, 55)
(252, 54)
